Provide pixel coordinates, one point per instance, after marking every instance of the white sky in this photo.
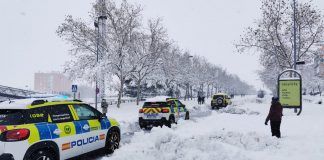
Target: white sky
(29, 44)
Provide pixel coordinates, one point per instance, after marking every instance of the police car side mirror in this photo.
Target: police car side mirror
(102, 116)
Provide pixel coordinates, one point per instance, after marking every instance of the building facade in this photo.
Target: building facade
(53, 82)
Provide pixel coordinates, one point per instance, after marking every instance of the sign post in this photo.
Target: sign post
(74, 90)
(290, 90)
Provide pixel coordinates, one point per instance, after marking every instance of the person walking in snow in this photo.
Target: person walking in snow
(275, 115)
(104, 106)
(199, 99)
(203, 100)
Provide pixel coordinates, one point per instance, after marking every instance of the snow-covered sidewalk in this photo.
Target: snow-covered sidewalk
(236, 132)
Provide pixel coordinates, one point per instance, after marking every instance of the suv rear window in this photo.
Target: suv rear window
(155, 104)
(217, 96)
(11, 116)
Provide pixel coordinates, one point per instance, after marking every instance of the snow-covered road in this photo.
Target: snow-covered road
(236, 132)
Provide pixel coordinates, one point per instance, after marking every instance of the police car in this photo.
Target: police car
(50, 130)
(161, 111)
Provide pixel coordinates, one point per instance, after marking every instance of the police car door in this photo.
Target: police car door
(94, 136)
(175, 109)
(64, 131)
(180, 109)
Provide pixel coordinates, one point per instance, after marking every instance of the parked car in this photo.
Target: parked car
(220, 100)
(42, 129)
(161, 111)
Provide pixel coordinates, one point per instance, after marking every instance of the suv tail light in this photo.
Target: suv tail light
(165, 110)
(3, 128)
(15, 135)
(141, 111)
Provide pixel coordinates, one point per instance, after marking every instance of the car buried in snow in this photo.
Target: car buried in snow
(220, 100)
(34, 129)
(161, 111)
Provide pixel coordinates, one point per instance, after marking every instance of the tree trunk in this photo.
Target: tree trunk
(138, 92)
(207, 90)
(212, 91)
(187, 92)
(191, 92)
(177, 92)
(120, 92)
(202, 89)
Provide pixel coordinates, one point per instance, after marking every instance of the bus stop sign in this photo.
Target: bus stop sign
(290, 90)
(289, 93)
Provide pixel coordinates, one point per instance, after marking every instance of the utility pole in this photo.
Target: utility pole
(295, 44)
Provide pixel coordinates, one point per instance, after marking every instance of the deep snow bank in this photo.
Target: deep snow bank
(186, 142)
(237, 110)
(237, 132)
(205, 136)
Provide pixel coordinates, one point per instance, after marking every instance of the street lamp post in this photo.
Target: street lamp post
(97, 60)
(99, 25)
(295, 47)
(295, 41)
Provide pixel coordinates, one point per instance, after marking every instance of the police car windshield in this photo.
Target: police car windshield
(155, 104)
(11, 117)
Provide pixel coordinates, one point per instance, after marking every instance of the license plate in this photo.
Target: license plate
(152, 116)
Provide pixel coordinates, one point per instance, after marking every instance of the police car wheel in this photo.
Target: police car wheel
(42, 155)
(143, 126)
(113, 141)
(187, 116)
(171, 120)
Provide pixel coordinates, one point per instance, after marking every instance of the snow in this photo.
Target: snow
(289, 78)
(220, 93)
(23, 103)
(291, 70)
(233, 133)
(157, 99)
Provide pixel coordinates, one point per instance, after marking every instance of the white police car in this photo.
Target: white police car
(52, 130)
(159, 111)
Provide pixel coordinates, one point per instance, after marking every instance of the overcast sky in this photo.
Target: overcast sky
(208, 28)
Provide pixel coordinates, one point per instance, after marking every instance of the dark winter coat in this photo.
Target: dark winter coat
(275, 112)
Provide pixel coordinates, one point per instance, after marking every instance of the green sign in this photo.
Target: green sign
(289, 93)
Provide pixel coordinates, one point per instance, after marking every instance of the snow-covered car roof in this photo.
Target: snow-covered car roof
(17, 103)
(220, 94)
(25, 103)
(158, 99)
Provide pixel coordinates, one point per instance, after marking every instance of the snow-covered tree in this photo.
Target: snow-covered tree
(273, 36)
(147, 51)
(143, 56)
